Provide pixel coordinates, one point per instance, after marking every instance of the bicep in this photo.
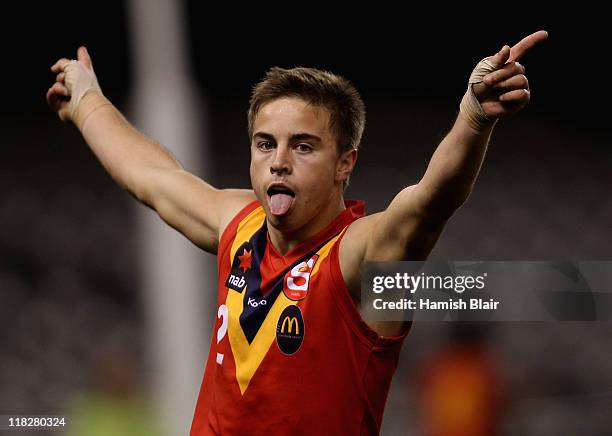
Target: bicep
(192, 206)
(404, 231)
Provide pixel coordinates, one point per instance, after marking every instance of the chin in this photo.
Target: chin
(284, 222)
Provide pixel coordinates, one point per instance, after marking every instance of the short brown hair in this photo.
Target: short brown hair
(317, 87)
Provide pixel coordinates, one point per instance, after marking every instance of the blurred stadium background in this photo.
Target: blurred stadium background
(91, 309)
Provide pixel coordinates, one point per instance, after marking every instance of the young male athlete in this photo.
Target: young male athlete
(294, 355)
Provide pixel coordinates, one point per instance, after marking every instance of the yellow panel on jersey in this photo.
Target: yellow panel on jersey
(246, 229)
(249, 355)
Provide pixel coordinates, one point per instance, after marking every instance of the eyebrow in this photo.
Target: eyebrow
(292, 138)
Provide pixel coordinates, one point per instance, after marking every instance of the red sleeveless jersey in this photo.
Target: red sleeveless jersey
(290, 353)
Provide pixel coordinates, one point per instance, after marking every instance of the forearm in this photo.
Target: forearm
(121, 149)
(453, 168)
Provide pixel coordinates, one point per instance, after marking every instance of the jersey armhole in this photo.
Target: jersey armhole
(349, 310)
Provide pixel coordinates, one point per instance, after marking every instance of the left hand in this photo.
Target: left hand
(506, 90)
(75, 78)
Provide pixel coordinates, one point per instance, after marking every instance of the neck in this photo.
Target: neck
(285, 241)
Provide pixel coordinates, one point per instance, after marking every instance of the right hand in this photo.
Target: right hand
(74, 79)
(497, 86)
(505, 91)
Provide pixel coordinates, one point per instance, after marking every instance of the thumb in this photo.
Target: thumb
(501, 57)
(488, 65)
(83, 56)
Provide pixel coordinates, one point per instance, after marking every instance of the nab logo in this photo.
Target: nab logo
(290, 330)
(235, 282)
(297, 280)
(241, 266)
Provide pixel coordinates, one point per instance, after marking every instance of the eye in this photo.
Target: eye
(265, 145)
(303, 147)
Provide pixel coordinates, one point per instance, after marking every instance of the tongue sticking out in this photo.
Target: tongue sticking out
(280, 203)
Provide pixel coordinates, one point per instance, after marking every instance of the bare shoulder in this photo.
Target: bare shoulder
(352, 251)
(232, 201)
(190, 205)
(353, 248)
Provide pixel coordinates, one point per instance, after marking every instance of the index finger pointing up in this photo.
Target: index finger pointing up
(525, 44)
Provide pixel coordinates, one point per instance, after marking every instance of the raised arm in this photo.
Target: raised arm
(138, 164)
(410, 226)
(412, 223)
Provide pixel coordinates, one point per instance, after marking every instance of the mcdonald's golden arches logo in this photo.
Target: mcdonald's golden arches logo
(290, 330)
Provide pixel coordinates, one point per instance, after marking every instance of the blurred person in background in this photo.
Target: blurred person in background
(461, 388)
(291, 245)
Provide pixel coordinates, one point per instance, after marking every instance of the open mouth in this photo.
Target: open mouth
(280, 199)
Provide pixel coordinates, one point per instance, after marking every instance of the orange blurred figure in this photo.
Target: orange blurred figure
(461, 392)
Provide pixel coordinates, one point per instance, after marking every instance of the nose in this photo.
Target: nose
(282, 161)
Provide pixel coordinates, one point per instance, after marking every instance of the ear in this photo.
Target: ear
(345, 164)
